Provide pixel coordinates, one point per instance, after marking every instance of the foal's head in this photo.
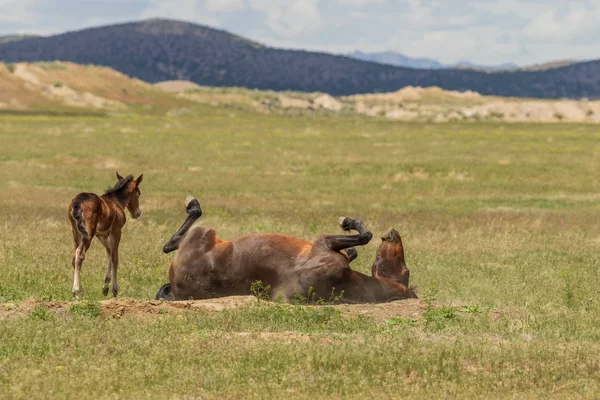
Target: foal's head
(127, 192)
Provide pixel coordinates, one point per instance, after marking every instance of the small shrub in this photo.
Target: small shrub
(11, 67)
(439, 317)
(163, 311)
(568, 291)
(401, 321)
(86, 309)
(42, 313)
(474, 309)
(311, 298)
(58, 85)
(9, 294)
(559, 116)
(260, 291)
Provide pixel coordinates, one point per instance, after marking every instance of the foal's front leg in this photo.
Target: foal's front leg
(114, 240)
(107, 245)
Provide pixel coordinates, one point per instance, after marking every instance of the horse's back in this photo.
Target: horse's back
(206, 266)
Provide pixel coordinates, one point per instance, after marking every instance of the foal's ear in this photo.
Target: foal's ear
(139, 180)
(119, 177)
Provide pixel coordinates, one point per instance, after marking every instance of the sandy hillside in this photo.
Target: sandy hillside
(435, 104)
(62, 85)
(407, 104)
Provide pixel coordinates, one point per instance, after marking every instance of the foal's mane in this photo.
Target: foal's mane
(119, 185)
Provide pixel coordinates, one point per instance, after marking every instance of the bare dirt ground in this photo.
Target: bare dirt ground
(119, 308)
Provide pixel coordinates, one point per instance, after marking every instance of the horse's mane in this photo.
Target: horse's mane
(119, 185)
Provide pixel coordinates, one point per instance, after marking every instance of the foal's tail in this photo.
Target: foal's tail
(78, 217)
(77, 213)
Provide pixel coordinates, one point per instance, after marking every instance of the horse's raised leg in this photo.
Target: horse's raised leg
(192, 208)
(341, 242)
(351, 253)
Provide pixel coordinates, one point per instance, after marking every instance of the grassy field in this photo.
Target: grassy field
(500, 224)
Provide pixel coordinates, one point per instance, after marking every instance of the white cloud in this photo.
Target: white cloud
(188, 10)
(166, 9)
(358, 3)
(552, 25)
(224, 5)
(16, 11)
(290, 18)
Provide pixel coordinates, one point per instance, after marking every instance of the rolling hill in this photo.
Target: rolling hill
(158, 50)
(64, 87)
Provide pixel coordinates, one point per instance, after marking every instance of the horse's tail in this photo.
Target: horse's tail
(165, 292)
(77, 213)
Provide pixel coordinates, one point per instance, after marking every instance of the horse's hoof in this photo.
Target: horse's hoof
(189, 199)
(343, 222)
(105, 291)
(115, 292)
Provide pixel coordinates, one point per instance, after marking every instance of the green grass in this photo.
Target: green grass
(500, 224)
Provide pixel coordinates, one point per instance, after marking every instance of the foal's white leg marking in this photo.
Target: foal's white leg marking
(76, 270)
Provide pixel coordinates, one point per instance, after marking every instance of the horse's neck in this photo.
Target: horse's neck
(115, 199)
(374, 289)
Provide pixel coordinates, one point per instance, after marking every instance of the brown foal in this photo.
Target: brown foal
(206, 266)
(103, 217)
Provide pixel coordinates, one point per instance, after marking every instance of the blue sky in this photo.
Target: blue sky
(484, 31)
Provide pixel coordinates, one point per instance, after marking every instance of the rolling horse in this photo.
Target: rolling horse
(206, 266)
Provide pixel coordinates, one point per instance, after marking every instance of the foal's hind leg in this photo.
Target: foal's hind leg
(83, 246)
(76, 243)
(341, 242)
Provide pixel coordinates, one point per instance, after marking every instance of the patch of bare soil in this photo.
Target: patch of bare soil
(119, 308)
(411, 308)
(176, 86)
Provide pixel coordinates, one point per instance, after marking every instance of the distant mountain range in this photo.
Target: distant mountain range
(158, 50)
(401, 60)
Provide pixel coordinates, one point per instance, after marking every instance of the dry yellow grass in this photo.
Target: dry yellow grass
(500, 223)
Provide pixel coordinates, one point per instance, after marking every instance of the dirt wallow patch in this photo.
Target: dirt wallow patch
(119, 308)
